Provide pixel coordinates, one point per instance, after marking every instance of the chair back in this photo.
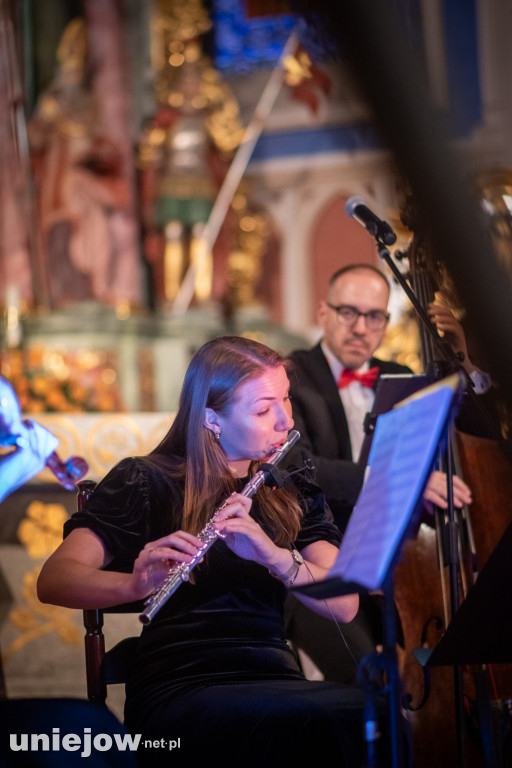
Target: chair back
(102, 668)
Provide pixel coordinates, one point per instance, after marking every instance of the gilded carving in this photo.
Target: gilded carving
(35, 619)
(110, 439)
(40, 531)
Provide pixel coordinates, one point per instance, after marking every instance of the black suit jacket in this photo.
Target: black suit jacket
(320, 418)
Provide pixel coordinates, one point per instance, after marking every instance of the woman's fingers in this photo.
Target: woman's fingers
(182, 536)
(179, 546)
(181, 540)
(235, 524)
(235, 505)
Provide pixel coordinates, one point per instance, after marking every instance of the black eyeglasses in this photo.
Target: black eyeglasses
(375, 319)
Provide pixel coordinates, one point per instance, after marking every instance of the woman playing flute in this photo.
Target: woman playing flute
(213, 667)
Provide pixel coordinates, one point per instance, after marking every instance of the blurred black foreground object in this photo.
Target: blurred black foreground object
(369, 37)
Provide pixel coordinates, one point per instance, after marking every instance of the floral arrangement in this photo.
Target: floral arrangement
(52, 380)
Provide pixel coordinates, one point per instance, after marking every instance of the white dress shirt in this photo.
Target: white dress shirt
(357, 401)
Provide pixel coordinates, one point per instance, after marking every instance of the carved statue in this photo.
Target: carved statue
(184, 154)
(79, 181)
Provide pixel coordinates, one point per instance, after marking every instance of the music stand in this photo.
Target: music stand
(404, 448)
(481, 633)
(481, 630)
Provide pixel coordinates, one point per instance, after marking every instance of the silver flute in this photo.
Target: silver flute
(209, 535)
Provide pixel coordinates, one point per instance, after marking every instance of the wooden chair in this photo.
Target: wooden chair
(103, 668)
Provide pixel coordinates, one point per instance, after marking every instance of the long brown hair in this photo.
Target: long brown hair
(213, 377)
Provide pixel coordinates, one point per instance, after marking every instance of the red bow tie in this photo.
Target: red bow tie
(367, 379)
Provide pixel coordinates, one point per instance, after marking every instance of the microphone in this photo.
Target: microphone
(379, 229)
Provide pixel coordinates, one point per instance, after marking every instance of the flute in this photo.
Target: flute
(179, 573)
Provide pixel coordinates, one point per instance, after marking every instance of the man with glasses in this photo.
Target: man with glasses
(333, 387)
(332, 391)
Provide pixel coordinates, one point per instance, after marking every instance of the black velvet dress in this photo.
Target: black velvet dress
(213, 668)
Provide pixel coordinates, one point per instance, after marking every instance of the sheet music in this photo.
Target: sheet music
(404, 447)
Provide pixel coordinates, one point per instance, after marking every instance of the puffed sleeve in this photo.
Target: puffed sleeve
(317, 522)
(118, 511)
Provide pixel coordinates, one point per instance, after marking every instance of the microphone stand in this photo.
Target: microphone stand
(448, 528)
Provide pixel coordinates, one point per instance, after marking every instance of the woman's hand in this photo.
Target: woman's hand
(154, 561)
(242, 534)
(246, 538)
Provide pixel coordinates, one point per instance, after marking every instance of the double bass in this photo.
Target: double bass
(445, 704)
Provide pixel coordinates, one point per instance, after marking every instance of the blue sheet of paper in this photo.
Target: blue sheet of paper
(404, 448)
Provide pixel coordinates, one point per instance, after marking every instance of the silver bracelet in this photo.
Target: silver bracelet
(291, 574)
